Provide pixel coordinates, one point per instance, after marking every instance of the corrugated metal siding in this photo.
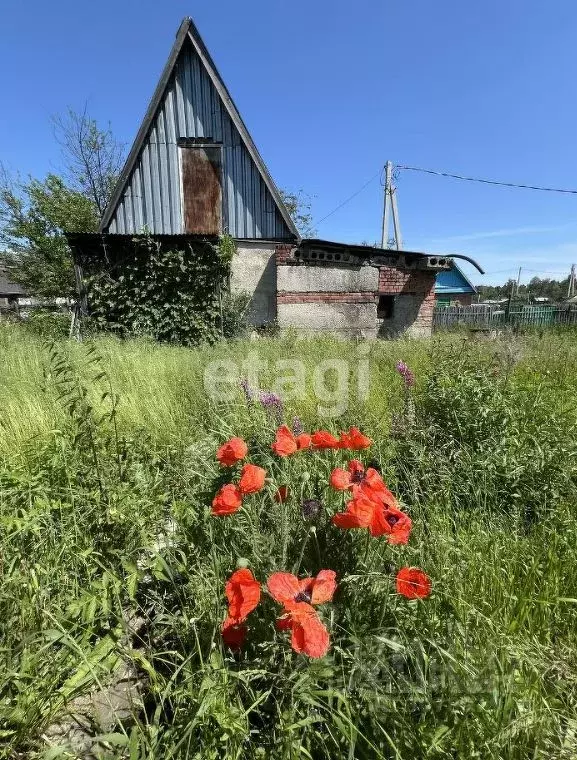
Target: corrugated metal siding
(452, 281)
(151, 200)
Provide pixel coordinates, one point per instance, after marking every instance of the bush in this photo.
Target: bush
(47, 324)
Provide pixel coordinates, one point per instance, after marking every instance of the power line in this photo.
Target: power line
(354, 195)
(486, 181)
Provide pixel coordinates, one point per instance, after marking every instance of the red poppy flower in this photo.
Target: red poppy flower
(413, 583)
(243, 593)
(365, 512)
(322, 439)
(227, 500)
(233, 634)
(304, 441)
(286, 443)
(251, 479)
(341, 479)
(308, 634)
(281, 495)
(286, 587)
(355, 440)
(369, 482)
(231, 452)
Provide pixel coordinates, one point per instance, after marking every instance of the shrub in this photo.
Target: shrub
(48, 324)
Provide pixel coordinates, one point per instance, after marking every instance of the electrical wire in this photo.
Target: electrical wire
(354, 195)
(486, 181)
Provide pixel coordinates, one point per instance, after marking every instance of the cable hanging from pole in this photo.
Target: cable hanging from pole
(486, 181)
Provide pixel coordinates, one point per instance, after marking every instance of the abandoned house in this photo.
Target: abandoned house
(194, 170)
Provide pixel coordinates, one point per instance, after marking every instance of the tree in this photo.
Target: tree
(34, 214)
(92, 157)
(555, 290)
(299, 207)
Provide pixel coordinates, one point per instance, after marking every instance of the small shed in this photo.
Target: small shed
(194, 171)
(453, 286)
(10, 291)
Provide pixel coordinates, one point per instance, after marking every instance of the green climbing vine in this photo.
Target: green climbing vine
(154, 289)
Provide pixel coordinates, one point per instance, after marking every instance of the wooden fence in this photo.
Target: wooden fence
(483, 317)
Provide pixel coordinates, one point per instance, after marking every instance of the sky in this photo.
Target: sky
(332, 90)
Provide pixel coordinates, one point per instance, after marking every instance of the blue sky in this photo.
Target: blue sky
(330, 91)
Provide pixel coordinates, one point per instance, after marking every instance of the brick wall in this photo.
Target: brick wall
(283, 252)
(326, 297)
(414, 292)
(393, 281)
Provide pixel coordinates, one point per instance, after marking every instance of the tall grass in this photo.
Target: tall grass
(106, 473)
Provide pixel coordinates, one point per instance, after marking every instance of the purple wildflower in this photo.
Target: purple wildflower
(406, 374)
(247, 390)
(297, 426)
(271, 402)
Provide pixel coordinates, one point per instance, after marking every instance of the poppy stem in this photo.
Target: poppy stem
(305, 541)
(367, 544)
(284, 532)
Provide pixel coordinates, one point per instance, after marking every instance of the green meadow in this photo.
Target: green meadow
(111, 562)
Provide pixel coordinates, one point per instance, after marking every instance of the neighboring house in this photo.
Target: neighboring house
(453, 288)
(195, 170)
(10, 292)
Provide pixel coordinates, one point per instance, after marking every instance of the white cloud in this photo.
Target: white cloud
(508, 232)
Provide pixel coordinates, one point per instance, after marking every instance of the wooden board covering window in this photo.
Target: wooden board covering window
(202, 190)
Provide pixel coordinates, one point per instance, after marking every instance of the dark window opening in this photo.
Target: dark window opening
(386, 307)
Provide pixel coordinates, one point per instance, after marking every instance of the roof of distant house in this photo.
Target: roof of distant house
(9, 288)
(453, 281)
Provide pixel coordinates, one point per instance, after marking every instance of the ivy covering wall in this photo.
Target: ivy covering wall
(144, 286)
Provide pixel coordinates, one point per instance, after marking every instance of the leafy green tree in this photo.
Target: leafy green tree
(555, 290)
(35, 214)
(33, 217)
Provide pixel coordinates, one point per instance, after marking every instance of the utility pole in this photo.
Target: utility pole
(518, 283)
(390, 206)
(571, 289)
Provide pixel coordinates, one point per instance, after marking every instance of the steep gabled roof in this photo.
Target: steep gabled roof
(453, 281)
(189, 33)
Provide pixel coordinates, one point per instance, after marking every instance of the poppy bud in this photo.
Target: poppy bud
(242, 562)
(311, 508)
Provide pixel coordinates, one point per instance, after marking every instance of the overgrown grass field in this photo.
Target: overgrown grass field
(111, 559)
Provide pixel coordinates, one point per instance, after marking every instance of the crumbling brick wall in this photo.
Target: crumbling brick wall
(345, 299)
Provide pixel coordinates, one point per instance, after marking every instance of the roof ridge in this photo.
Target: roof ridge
(187, 31)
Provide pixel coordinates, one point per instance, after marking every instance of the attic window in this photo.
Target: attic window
(386, 307)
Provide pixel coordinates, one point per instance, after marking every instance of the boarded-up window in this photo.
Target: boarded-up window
(202, 190)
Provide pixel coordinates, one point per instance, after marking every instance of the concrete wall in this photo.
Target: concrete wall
(333, 298)
(326, 279)
(342, 299)
(351, 318)
(253, 271)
